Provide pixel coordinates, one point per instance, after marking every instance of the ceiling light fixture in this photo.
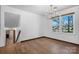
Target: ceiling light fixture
(52, 11)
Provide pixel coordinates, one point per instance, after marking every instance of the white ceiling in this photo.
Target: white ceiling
(39, 9)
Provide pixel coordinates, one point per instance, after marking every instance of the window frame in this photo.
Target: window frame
(70, 14)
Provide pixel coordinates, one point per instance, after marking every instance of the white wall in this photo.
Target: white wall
(0, 18)
(69, 37)
(2, 41)
(29, 24)
(0, 22)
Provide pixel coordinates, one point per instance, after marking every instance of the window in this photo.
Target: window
(67, 23)
(55, 24)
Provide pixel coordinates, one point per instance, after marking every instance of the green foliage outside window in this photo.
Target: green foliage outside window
(55, 24)
(67, 23)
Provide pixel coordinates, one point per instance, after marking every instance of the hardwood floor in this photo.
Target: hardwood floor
(40, 46)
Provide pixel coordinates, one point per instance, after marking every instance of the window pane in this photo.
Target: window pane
(70, 23)
(55, 24)
(67, 23)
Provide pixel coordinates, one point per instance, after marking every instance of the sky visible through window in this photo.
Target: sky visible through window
(65, 20)
(68, 23)
(55, 22)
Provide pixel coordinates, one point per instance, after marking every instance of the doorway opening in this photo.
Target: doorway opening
(12, 23)
(10, 37)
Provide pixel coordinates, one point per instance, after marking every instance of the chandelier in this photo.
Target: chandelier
(52, 11)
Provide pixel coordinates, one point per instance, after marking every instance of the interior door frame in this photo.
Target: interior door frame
(13, 36)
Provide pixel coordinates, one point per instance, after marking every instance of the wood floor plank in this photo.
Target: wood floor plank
(40, 46)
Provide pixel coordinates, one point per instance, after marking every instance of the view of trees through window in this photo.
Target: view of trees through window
(67, 23)
(55, 24)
